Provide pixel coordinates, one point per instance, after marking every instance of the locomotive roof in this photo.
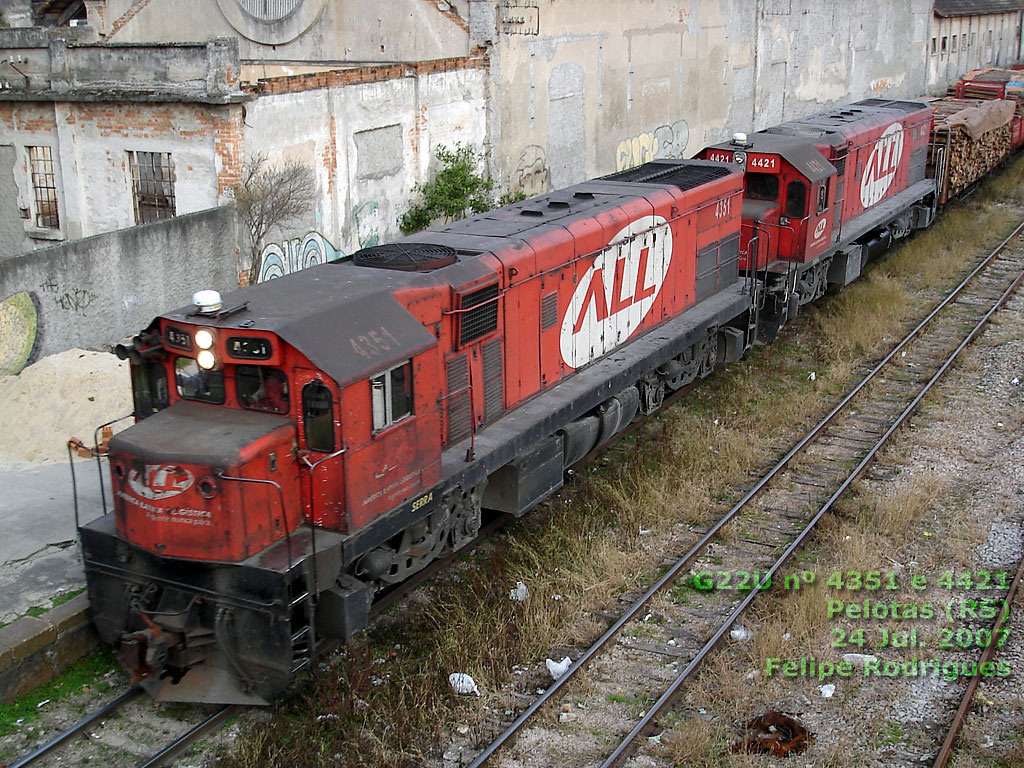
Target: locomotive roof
(836, 126)
(318, 308)
(796, 151)
(308, 308)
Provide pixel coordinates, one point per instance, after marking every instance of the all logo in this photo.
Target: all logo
(819, 230)
(616, 293)
(881, 166)
(160, 481)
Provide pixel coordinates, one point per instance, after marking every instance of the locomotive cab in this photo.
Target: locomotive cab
(789, 191)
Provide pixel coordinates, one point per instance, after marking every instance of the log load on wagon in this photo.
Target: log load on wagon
(969, 139)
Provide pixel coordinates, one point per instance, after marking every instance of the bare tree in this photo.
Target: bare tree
(271, 196)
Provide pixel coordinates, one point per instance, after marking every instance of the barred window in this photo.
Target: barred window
(44, 187)
(152, 185)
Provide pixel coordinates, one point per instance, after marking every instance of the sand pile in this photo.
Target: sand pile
(62, 395)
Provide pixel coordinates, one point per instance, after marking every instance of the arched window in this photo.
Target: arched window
(318, 417)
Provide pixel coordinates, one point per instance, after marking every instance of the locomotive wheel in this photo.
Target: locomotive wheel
(710, 354)
(465, 516)
(652, 393)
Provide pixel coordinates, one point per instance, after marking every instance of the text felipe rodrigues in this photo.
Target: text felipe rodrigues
(809, 666)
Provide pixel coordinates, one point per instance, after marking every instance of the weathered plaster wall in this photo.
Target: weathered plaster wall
(89, 144)
(958, 45)
(99, 289)
(357, 31)
(578, 93)
(369, 144)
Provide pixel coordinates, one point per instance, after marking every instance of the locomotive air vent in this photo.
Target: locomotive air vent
(406, 257)
(683, 176)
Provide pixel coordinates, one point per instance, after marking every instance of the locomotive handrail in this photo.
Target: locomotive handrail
(99, 463)
(270, 514)
(312, 509)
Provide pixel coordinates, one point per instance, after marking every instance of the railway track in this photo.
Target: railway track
(775, 516)
(52, 749)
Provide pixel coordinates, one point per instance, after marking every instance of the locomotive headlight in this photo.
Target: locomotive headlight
(204, 338)
(206, 359)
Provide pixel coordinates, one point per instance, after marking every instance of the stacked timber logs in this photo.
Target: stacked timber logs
(969, 139)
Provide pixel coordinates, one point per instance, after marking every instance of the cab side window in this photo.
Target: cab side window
(149, 388)
(318, 417)
(822, 197)
(391, 395)
(796, 200)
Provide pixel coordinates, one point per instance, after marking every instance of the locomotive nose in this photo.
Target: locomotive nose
(205, 483)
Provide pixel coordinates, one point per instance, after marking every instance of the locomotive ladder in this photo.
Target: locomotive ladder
(301, 614)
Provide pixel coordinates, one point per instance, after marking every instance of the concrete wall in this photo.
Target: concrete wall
(354, 31)
(960, 44)
(369, 143)
(578, 93)
(99, 289)
(43, 63)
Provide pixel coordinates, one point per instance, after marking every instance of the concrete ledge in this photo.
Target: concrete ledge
(35, 650)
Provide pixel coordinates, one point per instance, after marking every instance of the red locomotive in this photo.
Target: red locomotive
(327, 434)
(825, 193)
(322, 436)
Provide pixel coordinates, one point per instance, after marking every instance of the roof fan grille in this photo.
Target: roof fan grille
(406, 257)
(683, 176)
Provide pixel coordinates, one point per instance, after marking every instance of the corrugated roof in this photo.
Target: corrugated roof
(948, 8)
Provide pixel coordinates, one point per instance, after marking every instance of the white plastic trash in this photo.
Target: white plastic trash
(462, 683)
(519, 594)
(558, 668)
(827, 690)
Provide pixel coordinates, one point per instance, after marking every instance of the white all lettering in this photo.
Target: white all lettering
(618, 290)
(881, 166)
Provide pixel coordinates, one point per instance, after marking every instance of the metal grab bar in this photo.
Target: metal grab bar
(270, 514)
(312, 465)
(99, 463)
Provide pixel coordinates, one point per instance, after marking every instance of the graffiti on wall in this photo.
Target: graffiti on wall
(280, 259)
(368, 218)
(531, 176)
(663, 141)
(67, 298)
(19, 327)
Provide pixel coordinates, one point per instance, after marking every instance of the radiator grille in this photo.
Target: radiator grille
(493, 400)
(459, 421)
(683, 176)
(480, 315)
(549, 311)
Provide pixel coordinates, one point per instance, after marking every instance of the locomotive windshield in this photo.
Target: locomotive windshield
(260, 388)
(762, 186)
(194, 383)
